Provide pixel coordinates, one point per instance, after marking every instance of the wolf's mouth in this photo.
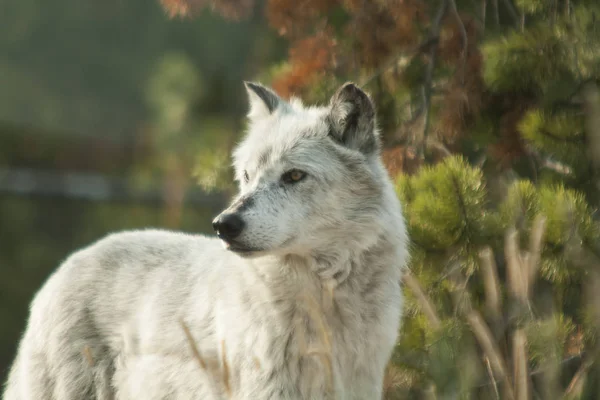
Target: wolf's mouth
(238, 248)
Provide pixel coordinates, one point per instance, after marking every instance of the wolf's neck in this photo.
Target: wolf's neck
(333, 263)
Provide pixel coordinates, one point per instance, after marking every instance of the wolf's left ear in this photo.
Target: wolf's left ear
(263, 101)
(352, 119)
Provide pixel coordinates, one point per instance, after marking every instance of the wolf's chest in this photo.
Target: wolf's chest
(308, 345)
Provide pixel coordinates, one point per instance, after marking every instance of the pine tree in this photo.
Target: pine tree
(490, 112)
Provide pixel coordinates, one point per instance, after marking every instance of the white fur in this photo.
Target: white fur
(313, 313)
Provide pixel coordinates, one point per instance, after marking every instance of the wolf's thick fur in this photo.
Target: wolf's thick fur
(304, 303)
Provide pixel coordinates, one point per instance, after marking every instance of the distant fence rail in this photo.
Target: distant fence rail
(93, 187)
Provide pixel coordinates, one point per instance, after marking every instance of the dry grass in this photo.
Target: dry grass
(87, 354)
(193, 346)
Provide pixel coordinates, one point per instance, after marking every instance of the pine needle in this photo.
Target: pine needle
(426, 304)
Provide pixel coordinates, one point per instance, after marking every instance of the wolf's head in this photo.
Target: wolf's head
(310, 178)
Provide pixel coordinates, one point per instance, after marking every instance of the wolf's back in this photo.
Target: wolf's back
(83, 305)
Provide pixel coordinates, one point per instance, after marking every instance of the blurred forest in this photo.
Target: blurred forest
(121, 114)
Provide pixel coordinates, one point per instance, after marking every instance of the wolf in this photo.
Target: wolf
(299, 296)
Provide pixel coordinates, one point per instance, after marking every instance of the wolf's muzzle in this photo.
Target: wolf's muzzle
(228, 226)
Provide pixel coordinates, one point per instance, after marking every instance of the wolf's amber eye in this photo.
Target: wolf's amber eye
(246, 177)
(293, 176)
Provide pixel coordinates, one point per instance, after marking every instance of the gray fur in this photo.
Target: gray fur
(312, 312)
(352, 114)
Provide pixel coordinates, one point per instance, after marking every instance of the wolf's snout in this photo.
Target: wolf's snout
(228, 226)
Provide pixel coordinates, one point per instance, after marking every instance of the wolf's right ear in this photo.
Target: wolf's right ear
(263, 101)
(352, 119)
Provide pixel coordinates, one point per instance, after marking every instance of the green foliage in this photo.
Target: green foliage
(568, 219)
(547, 338)
(527, 61)
(450, 355)
(521, 205)
(532, 6)
(560, 135)
(445, 203)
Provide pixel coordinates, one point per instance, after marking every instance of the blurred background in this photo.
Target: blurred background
(121, 114)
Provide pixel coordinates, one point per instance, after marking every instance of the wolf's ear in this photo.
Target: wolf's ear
(263, 101)
(352, 119)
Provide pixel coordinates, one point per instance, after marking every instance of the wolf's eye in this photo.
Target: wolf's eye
(246, 177)
(293, 176)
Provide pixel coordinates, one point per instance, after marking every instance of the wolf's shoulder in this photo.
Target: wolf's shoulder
(146, 245)
(150, 234)
(123, 260)
(150, 238)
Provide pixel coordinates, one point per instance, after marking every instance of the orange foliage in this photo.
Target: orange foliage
(463, 99)
(290, 18)
(309, 58)
(401, 160)
(234, 9)
(380, 31)
(451, 40)
(374, 32)
(464, 94)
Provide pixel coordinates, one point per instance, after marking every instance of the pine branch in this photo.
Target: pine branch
(516, 280)
(549, 163)
(391, 63)
(574, 139)
(426, 304)
(576, 385)
(521, 377)
(479, 17)
(466, 231)
(591, 107)
(513, 12)
(465, 39)
(461, 297)
(426, 89)
(568, 9)
(486, 341)
(435, 144)
(430, 392)
(490, 282)
(538, 371)
(483, 12)
(491, 375)
(553, 12)
(536, 243)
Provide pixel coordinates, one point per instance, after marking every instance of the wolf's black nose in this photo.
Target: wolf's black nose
(228, 226)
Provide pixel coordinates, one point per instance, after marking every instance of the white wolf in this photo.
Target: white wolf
(304, 301)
